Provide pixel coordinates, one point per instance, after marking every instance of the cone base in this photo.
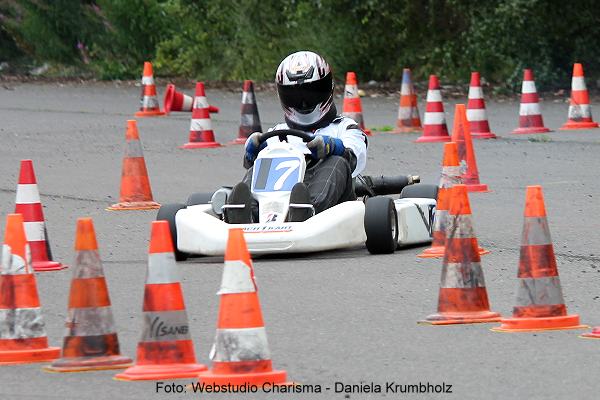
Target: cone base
(594, 334)
(530, 130)
(149, 114)
(438, 252)
(483, 135)
(82, 364)
(570, 125)
(200, 145)
(539, 324)
(159, 372)
(239, 140)
(430, 139)
(275, 377)
(367, 132)
(476, 317)
(478, 187)
(42, 266)
(134, 205)
(9, 357)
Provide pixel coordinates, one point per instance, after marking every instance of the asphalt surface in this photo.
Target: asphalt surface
(332, 317)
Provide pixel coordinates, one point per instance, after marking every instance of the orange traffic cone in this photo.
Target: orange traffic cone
(580, 111)
(408, 111)
(91, 341)
(463, 297)
(179, 101)
(352, 107)
(201, 133)
(136, 193)
(540, 304)
(166, 350)
(461, 134)
(476, 114)
(434, 124)
(250, 120)
(530, 116)
(29, 205)
(241, 353)
(23, 334)
(149, 102)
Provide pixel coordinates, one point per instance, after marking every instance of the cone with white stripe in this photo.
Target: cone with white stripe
(149, 106)
(241, 353)
(580, 110)
(22, 330)
(165, 350)
(91, 341)
(29, 205)
(476, 113)
(540, 303)
(201, 133)
(463, 296)
(352, 106)
(530, 116)
(250, 120)
(180, 102)
(434, 121)
(408, 111)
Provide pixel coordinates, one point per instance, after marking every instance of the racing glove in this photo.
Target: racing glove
(253, 146)
(323, 146)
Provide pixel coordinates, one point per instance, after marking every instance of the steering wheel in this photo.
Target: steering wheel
(284, 133)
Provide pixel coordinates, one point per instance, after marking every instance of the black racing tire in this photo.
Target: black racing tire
(381, 225)
(199, 198)
(167, 213)
(420, 190)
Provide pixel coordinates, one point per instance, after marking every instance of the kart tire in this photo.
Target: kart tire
(167, 213)
(381, 225)
(420, 191)
(199, 198)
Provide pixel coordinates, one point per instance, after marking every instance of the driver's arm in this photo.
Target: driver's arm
(355, 143)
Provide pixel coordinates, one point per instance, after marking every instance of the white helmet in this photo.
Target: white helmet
(305, 88)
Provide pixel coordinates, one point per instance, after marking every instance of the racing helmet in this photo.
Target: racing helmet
(305, 88)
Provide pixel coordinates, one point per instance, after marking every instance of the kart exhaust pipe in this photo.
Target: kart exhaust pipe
(381, 185)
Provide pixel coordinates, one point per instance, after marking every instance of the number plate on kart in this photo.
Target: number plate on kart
(275, 174)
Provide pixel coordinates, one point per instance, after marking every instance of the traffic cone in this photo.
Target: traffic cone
(476, 114)
(540, 304)
(149, 101)
(23, 334)
(352, 107)
(241, 353)
(201, 133)
(250, 120)
(165, 350)
(580, 111)
(28, 204)
(179, 101)
(461, 134)
(463, 297)
(434, 127)
(408, 111)
(136, 193)
(91, 341)
(530, 116)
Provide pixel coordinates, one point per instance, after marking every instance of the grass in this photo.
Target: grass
(540, 139)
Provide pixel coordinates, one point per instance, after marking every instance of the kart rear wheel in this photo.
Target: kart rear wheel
(199, 198)
(420, 190)
(167, 213)
(381, 225)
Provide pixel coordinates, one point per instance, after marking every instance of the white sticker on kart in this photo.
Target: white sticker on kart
(275, 174)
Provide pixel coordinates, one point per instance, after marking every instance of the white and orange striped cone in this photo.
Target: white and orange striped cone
(23, 337)
(530, 116)
(580, 110)
(476, 114)
(408, 111)
(180, 102)
(201, 133)
(165, 350)
(434, 121)
(240, 355)
(29, 205)
(91, 342)
(149, 106)
(352, 107)
(250, 122)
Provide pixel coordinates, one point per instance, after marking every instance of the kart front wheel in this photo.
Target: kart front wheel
(420, 190)
(381, 225)
(167, 213)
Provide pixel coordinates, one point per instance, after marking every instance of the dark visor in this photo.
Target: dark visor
(307, 96)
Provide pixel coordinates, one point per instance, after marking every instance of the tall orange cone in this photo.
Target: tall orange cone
(91, 341)
(352, 106)
(580, 110)
(408, 111)
(461, 134)
(29, 205)
(476, 114)
(540, 304)
(530, 116)
(201, 133)
(463, 297)
(22, 330)
(241, 353)
(179, 101)
(250, 122)
(149, 101)
(434, 122)
(165, 350)
(136, 193)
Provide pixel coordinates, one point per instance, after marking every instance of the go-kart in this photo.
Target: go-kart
(380, 222)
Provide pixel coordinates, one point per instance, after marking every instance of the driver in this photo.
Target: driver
(338, 151)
